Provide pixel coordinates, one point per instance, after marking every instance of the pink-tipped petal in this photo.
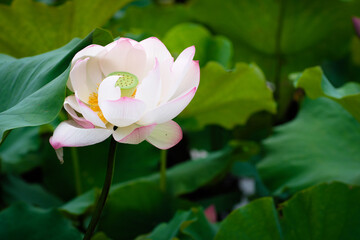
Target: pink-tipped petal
(89, 114)
(71, 106)
(70, 134)
(179, 70)
(166, 135)
(150, 88)
(133, 134)
(168, 111)
(155, 49)
(122, 112)
(191, 80)
(79, 81)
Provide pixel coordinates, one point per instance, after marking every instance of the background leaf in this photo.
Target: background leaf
(191, 224)
(48, 27)
(257, 220)
(281, 36)
(14, 189)
(19, 153)
(315, 147)
(29, 83)
(316, 85)
(229, 98)
(208, 48)
(327, 211)
(22, 221)
(141, 21)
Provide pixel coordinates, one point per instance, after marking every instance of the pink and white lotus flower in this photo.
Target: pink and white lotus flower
(130, 90)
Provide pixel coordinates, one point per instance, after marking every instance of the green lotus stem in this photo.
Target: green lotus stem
(105, 191)
(163, 170)
(76, 166)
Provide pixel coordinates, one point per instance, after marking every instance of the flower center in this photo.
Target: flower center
(127, 82)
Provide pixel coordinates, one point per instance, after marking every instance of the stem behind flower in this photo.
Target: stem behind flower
(76, 166)
(105, 191)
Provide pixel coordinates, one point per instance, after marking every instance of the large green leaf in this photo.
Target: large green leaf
(149, 20)
(256, 221)
(21, 221)
(18, 153)
(281, 36)
(14, 189)
(264, 30)
(208, 48)
(316, 85)
(33, 88)
(318, 146)
(228, 98)
(190, 224)
(327, 211)
(30, 27)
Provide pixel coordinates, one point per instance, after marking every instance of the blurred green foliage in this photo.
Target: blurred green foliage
(327, 211)
(249, 119)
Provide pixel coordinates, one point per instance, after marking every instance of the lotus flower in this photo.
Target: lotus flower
(130, 90)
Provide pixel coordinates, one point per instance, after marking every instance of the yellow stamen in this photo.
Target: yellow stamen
(94, 105)
(134, 93)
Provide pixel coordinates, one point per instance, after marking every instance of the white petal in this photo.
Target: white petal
(71, 106)
(122, 112)
(94, 74)
(78, 79)
(111, 45)
(136, 62)
(166, 78)
(133, 134)
(70, 134)
(149, 89)
(166, 135)
(191, 80)
(155, 49)
(115, 59)
(169, 110)
(89, 51)
(107, 89)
